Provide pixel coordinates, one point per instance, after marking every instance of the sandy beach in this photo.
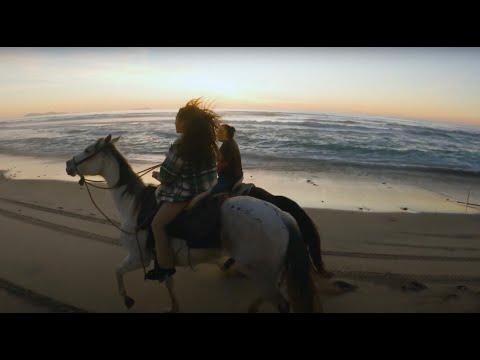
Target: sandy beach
(379, 145)
(57, 253)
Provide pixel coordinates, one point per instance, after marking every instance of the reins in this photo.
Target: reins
(89, 182)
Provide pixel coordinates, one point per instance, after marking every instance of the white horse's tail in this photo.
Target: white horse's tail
(301, 287)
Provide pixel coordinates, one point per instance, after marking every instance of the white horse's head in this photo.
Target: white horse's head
(92, 160)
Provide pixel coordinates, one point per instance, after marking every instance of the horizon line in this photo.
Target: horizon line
(290, 111)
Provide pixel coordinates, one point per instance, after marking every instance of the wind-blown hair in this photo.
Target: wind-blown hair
(200, 128)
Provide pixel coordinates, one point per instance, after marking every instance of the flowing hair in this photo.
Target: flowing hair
(200, 128)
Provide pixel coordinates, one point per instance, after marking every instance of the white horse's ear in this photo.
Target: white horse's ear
(113, 141)
(108, 138)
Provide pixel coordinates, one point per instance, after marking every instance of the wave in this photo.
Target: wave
(304, 163)
(297, 139)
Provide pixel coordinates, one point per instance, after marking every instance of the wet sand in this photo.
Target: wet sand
(55, 244)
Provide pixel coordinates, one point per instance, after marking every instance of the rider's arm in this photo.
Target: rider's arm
(224, 157)
(171, 166)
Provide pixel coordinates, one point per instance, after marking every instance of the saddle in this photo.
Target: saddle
(199, 225)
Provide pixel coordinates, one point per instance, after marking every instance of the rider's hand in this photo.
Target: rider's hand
(155, 175)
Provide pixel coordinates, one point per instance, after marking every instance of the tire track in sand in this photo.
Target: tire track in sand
(110, 240)
(58, 227)
(365, 275)
(39, 299)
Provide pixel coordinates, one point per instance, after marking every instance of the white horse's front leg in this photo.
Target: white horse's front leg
(169, 284)
(127, 265)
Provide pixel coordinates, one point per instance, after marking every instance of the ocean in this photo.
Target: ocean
(272, 140)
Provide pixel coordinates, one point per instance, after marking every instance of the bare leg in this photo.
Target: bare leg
(167, 212)
(169, 284)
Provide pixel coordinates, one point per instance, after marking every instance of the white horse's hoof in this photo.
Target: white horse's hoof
(171, 311)
(129, 302)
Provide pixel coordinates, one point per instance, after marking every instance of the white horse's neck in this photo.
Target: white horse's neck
(124, 201)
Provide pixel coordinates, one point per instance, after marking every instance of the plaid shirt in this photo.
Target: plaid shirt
(179, 182)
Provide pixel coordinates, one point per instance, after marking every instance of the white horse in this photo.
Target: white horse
(264, 240)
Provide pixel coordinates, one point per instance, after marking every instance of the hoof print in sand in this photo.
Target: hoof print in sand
(414, 286)
(450, 297)
(344, 286)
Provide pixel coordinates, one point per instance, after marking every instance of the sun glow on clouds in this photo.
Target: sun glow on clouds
(429, 83)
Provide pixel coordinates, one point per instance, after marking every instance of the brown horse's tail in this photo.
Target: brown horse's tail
(301, 287)
(307, 227)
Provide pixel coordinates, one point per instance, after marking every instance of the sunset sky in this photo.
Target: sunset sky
(423, 83)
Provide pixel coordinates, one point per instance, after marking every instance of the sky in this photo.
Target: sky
(421, 83)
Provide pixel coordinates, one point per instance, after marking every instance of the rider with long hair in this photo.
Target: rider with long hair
(188, 170)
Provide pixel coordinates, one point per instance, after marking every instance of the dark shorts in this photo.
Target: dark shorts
(224, 184)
